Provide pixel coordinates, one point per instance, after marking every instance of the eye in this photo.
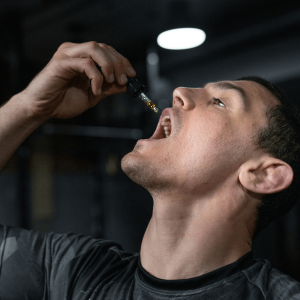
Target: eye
(218, 102)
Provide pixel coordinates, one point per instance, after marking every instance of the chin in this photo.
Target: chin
(141, 172)
(131, 167)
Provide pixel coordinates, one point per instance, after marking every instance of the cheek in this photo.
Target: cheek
(208, 137)
(210, 149)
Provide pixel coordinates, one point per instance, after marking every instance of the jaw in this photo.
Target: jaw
(161, 162)
(145, 170)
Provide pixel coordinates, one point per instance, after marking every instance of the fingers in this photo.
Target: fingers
(71, 67)
(124, 67)
(108, 89)
(88, 66)
(114, 66)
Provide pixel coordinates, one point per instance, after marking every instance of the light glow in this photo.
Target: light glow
(181, 38)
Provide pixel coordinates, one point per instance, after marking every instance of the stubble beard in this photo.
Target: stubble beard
(142, 173)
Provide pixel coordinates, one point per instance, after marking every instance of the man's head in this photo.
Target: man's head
(212, 151)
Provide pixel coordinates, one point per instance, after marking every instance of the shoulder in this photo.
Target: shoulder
(33, 264)
(272, 283)
(60, 246)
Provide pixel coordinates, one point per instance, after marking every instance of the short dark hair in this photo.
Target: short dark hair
(280, 138)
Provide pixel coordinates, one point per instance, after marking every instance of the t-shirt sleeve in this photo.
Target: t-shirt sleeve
(33, 263)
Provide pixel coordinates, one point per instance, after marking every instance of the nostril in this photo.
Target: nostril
(184, 98)
(179, 97)
(178, 100)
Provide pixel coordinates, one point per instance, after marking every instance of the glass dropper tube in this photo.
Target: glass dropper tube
(148, 102)
(135, 88)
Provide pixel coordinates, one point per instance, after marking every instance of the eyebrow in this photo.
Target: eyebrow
(223, 85)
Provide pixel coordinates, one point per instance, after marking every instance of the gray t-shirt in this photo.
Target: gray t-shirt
(70, 266)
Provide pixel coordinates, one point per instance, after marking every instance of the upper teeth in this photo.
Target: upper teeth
(166, 123)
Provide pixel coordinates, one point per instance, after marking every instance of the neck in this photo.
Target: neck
(186, 239)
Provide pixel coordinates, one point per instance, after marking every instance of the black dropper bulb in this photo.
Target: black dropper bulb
(136, 88)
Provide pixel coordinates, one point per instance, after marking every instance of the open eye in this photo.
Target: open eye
(218, 102)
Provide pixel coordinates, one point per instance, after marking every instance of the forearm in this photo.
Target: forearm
(15, 126)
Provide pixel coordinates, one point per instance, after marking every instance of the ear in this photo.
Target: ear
(266, 175)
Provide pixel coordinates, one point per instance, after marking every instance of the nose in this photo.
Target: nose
(184, 98)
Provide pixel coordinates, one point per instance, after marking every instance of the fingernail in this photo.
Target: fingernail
(99, 91)
(123, 78)
(111, 78)
(130, 71)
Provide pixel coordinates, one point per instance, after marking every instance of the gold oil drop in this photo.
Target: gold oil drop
(148, 102)
(151, 105)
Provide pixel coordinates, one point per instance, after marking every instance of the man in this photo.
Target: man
(210, 166)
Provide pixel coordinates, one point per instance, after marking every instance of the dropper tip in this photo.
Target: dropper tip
(155, 109)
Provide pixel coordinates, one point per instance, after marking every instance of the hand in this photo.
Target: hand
(62, 89)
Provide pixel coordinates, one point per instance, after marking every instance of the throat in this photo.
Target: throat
(183, 246)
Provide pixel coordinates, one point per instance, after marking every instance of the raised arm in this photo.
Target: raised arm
(62, 90)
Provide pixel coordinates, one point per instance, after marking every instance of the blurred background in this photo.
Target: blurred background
(66, 176)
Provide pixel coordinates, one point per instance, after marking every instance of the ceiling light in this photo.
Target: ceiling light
(181, 38)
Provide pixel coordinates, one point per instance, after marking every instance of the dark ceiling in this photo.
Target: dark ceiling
(130, 26)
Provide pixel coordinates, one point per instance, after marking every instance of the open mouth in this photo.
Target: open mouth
(164, 126)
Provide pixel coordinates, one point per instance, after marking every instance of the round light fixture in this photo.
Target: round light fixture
(181, 38)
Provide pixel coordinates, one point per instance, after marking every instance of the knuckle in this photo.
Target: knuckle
(57, 57)
(102, 45)
(108, 64)
(119, 64)
(64, 45)
(88, 61)
(93, 45)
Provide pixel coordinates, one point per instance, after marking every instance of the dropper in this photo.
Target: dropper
(135, 88)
